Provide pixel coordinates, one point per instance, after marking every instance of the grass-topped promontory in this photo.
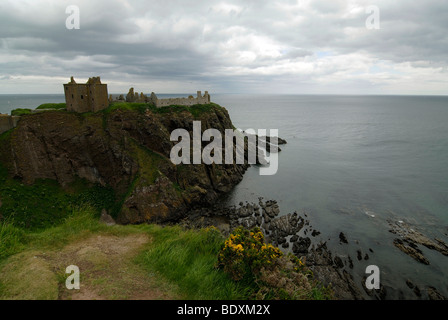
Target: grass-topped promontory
(196, 110)
(55, 106)
(44, 106)
(185, 261)
(48, 224)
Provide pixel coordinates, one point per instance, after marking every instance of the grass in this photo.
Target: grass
(196, 110)
(188, 258)
(175, 262)
(46, 203)
(184, 258)
(11, 239)
(130, 106)
(20, 111)
(23, 111)
(24, 274)
(52, 106)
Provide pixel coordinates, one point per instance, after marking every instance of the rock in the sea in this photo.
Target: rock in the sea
(359, 255)
(342, 238)
(301, 246)
(338, 262)
(411, 235)
(411, 249)
(433, 294)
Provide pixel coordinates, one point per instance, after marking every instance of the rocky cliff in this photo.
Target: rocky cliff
(126, 149)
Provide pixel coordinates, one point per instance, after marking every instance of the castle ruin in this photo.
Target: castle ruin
(92, 97)
(89, 97)
(190, 101)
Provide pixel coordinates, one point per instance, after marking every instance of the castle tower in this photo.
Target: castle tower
(89, 97)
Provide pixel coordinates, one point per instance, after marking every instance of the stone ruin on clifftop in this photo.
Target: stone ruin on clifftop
(92, 96)
(190, 101)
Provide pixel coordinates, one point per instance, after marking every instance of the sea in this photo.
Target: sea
(354, 164)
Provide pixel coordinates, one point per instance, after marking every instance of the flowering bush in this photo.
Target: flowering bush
(246, 256)
(245, 253)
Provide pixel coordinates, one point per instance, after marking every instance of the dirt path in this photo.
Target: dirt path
(107, 270)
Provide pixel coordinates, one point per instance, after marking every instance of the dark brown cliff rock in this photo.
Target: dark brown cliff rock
(127, 150)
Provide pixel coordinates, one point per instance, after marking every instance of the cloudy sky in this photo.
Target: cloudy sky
(227, 46)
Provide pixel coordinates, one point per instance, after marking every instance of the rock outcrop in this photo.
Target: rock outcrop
(410, 238)
(128, 150)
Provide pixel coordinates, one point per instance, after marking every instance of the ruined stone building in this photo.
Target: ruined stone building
(89, 97)
(92, 97)
(200, 99)
(135, 97)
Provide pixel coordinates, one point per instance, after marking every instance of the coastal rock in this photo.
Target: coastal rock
(338, 262)
(278, 230)
(433, 294)
(301, 246)
(410, 238)
(126, 150)
(269, 140)
(411, 249)
(342, 238)
(106, 218)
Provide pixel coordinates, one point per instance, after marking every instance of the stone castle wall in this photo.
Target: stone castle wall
(190, 101)
(89, 97)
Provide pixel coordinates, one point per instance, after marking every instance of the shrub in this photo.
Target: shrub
(245, 253)
(271, 274)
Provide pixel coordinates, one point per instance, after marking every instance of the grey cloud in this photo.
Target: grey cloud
(190, 40)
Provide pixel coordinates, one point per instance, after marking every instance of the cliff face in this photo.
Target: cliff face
(127, 150)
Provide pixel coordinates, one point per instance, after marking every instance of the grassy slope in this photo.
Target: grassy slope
(183, 261)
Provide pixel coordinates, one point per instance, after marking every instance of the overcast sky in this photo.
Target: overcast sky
(226, 46)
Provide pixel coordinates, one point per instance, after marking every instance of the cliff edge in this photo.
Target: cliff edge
(124, 148)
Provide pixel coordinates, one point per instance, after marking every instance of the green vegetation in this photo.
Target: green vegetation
(52, 106)
(46, 203)
(185, 258)
(42, 223)
(24, 111)
(187, 262)
(188, 258)
(28, 270)
(129, 106)
(20, 111)
(195, 110)
(245, 254)
(266, 270)
(11, 239)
